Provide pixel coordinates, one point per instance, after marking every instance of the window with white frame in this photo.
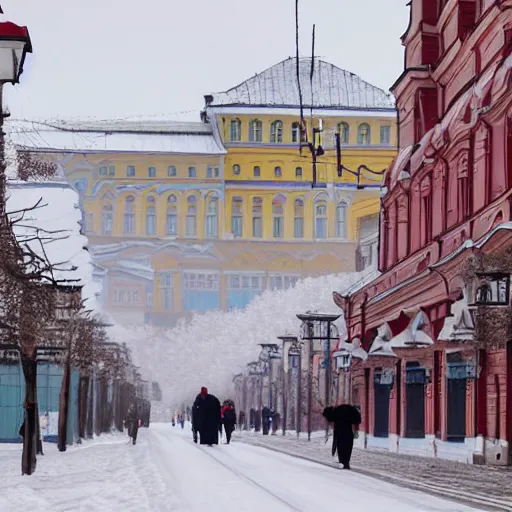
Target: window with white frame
(364, 134)
(282, 282)
(257, 217)
(111, 170)
(255, 131)
(212, 209)
(151, 216)
(344, 131)
(171, 171)
(107, 219)
(385, 135)
(172, 216)
(129, 215)
(341, 220)
(278, 217)
(295, 132)
(166, 290)
(237, 217)
(235, 132)
(200, 281)
(321, 218)
(103, 171)
(151, 172)
(130, 171)
(191, 225)
(212, 172)
(276, 131)
(298, 218)
(245, 282)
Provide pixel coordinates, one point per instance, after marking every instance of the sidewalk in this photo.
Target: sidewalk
(486, 487)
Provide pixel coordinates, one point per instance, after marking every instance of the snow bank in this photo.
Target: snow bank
(213, 347)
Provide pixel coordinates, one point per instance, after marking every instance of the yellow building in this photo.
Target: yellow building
(186, 217)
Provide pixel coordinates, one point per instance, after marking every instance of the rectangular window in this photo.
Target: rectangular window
(235, 133)
(190, 229)
(149, 295)
(192, 173)
(151, 172)
(171, 171)
(107, 223)
(172, 224)
(257, 227)
(298, 227)
(103, 171)
(298, 173)
(237, 225)
(129, 223)
(89, 224)
(321, 228)
(111, 170)
(130, 170)
(278, 226)
(166, 291)
(151, 224)
(212, 172)
(257, 171)
(385, 135)
(211, 226)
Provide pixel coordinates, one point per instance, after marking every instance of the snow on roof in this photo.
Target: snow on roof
(332, 87)
(56, 221)
(45, 137)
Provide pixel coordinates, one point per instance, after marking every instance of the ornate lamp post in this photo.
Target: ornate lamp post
(254, 369)
(293, 363)
(318, 327)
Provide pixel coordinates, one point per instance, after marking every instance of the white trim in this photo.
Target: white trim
(295, 111)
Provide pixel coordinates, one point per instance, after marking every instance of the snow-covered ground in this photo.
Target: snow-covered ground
(165, 471)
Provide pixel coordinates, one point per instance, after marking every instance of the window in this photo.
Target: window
(171, 171)
(111, 170)
(130, 170)
(103, 171)
(89, 225)
(212, 172)
(242, 289)
(298, 218)
(363, 134)
(493, 289)
(282, 282)
(276, 131)
(385, 135)
(211, 217)
(296, 133)
(129, 215)
(278, 217)
(172, 216)
(151, 172)
(344, 131)
(257, 171)
(200, 291)
(278, 172)
(255, 131)
(426, 210)
(166, 291)
(150, 300)
(298, 173)
(321, 219)
(463, 189)
(235, 133)
(79, 186)
(257, 217)
(237, 217)
(190, 228)
(151, 216)
(236, 170)
(341, 220)
(192, 173)
(107, 219)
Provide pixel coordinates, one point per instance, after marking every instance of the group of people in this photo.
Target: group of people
(209, 417)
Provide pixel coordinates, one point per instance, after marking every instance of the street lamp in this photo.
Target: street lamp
(256, 372)
(14, 45)
(318, 327)
(293, 364)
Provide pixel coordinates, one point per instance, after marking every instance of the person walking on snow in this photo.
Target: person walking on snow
(346, 419)
(132, 422)
(228, 416)
(206, 418)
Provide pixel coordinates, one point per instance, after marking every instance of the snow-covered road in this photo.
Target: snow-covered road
(165, 471)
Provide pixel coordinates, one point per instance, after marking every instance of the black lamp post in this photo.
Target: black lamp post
(318, 327)
(256, 372)
(294, 363)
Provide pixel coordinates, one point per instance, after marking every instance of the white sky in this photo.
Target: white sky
(119, 58)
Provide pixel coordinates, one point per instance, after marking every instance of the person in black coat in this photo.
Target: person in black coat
(132, 422)
(346, 419)
(206, 418)
(228, 414)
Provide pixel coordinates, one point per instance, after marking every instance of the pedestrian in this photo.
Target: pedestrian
(346, 419)
(132, 422)
(266, 414)
(228, 416)
(206, 418)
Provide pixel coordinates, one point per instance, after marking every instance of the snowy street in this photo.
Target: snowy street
(166, 471)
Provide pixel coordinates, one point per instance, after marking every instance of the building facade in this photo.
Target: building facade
(434, 321)
(190, 217)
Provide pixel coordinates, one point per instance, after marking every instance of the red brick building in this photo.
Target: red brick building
(433, 384)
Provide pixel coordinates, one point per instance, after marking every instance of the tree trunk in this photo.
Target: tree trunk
(90, 408)
(64, 407)
(82, 405)
(30, 425)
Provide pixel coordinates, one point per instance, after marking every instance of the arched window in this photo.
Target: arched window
(191, 225)
(298, 218)
(172, 216)
(278, 217)
(257, 217)
(236, 170)
(278, 172)
(276, 131)
(129, 215)
(237, 216)
(151, 172)
(321, 218)
(212, 210)
(341, 220)
(255, 131)
(235, 131)
(171, 171)
(107, 219)
(344, 131)
(363, 133)
(151, 216)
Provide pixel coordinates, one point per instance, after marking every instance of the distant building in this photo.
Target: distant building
(190, 217)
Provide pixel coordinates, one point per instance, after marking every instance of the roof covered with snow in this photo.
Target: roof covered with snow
(135, 137)
(331, 87)
(47, 219)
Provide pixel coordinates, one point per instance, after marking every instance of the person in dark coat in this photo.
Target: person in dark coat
(206, 418)
(132, 422)
(228, 416)
(346, 419)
